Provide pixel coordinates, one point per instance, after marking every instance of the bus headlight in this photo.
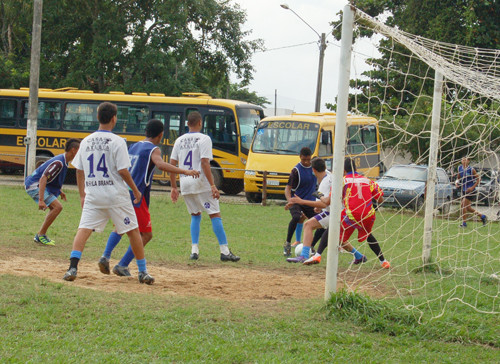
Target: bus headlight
(250, 173)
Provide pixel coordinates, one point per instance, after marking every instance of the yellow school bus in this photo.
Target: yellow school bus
(72, 113)
(279, 139)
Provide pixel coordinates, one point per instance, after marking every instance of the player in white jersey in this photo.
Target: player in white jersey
(193, 150)
(102, 176)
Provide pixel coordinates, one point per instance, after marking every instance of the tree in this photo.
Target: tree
(163, 46)
(238, 92)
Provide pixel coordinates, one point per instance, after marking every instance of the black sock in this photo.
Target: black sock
(375, 247)
(323, 243)
(73, 262)
(317, 235)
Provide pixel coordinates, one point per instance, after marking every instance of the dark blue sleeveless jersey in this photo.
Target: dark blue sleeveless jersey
(56, 169)
(142, 168)
(307, 183)
(467, 179)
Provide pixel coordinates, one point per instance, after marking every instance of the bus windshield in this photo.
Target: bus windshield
(285, 137)
(248, 119)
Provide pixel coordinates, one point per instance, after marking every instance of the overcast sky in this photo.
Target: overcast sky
(293, 71)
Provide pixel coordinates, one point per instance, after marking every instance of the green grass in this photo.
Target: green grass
(43, 321)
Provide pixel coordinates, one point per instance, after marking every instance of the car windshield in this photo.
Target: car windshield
(285, 137)
(408, 173)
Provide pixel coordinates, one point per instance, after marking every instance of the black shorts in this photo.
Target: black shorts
(297, 209)
(470, 196)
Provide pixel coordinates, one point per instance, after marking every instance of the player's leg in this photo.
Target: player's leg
(470, 209)
(464, 205)
(213, 211)
(309, 226)
(49, 199)
(317, 237)
(296, 213)
(347, 227)
(375, 247)
(55, 208)
(298, 234)
(91, 220)
(322, 220)
(194, 209)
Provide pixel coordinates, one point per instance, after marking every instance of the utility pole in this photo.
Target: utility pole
(31, 129)
(319, 85)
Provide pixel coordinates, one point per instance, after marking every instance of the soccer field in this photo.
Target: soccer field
(260, 309)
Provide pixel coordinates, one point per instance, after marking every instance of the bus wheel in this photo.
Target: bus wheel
(163, 182)
(253, 197)
(232, 186)
(41, 159)
(217, 174)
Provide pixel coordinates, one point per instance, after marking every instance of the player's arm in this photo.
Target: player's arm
(205, 166)
(127, 177)
(41, 194)
(80, 182)
(318, 203)
(167, 167)
(477, 177)
(174, 192)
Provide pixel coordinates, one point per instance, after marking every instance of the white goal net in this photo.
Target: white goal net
(456, 266)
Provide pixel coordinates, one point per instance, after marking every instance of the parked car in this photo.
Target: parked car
(405, 186)
(487, 191)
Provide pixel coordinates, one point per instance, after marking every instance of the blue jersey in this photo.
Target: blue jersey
(54, 169)
(467, 178)
(305, 182)
(142, 168)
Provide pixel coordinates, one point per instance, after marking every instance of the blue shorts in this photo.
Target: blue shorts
(48, 197)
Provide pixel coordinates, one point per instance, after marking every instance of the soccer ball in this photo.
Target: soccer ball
(298, 250)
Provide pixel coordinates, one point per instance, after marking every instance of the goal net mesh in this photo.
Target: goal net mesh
(396, 85)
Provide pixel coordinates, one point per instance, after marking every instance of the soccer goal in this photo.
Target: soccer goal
(436, 103)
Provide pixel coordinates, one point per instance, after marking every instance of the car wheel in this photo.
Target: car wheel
(445, 208)
(419, 203)
(253, 197)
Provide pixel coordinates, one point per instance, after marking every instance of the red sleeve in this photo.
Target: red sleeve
(376, 190)
(53, 170)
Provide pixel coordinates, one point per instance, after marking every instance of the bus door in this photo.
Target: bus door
(172, 124)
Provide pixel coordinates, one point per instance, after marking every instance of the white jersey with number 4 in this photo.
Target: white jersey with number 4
(101, 155)
(188, 150)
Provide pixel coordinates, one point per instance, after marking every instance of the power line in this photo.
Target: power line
(290, 46)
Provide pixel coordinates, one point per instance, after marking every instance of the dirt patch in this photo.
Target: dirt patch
(228, 282)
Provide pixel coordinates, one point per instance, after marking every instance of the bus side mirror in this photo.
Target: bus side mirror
(325, 137)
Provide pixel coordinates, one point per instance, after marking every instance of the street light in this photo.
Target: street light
(322, 48)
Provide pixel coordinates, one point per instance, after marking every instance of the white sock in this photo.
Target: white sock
(224, 249)
(194, 249)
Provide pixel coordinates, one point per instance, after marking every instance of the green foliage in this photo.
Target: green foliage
(238, 92)
(407, 96)
(151, 46)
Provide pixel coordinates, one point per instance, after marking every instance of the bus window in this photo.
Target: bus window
(132, 119)
(174, 125)
(49, 114)
(7, 112)
(78, 116)
(284, 137)
(248, 119)
(325, 144)
(361, 139)
(219, 128)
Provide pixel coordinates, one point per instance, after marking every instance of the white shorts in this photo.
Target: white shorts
(203, 201)
(96, 219)
(323, 218)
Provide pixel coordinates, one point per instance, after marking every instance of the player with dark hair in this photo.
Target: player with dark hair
(468, 180)
(102, 175)
(144, 157)
(193, 150)
(301, 183)
(49, 178)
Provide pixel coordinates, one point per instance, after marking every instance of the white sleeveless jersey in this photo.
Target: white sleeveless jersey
(188, 150)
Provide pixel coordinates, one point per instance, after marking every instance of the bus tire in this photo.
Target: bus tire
(232, 186)
(253, 197)
(217, 174)
(163, 182)
(41, 159)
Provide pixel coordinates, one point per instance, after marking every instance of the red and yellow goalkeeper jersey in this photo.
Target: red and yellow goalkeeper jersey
(358, 193)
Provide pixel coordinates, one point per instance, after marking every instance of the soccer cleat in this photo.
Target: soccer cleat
(295, 244)
(463, 225)
(194, 256)
(363, 259)
(483, 219)
(70, 275)
(145, 277)
(229, 257)
(386, 265)
(44, 240)
(121, 271)
(104, 265)
(299, 259)
(315, 259)
(287, 250)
